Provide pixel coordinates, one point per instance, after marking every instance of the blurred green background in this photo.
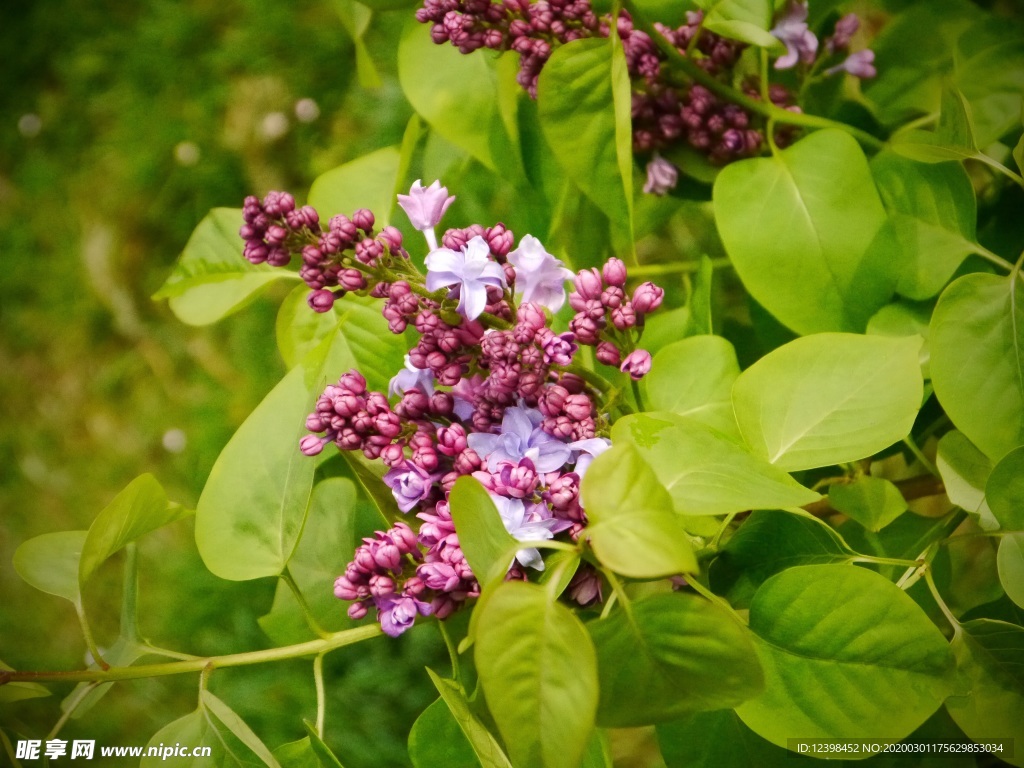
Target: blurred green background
(121, 125)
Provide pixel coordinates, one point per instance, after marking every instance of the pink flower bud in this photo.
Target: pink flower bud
(614, 272)
(647, 298)
(588, 283)
(637, 364)
(320, 301)
(425, 207)
(608, 353)
(364, 220)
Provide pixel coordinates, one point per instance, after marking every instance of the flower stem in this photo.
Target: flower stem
(87, 634)
(321, 698)
(332, 642)
(635, 385)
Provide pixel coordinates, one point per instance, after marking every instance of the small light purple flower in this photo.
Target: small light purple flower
(801, 44)
(521, 437)
(409, 484)
(528, 524)
(470, 269)
(539, 275)
(860, 64)
(397, 613)
(587, 451)
(425, 207)
(662, 177)
(410, 377)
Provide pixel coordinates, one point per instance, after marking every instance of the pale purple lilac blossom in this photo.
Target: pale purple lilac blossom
(409, 484)
(587, 451)
(539, 275)
(470, 269)
(859, 64)
(801, 44)
(521, 437)
(397, 613)
(409, 377)
(426, 207)
(528, 524)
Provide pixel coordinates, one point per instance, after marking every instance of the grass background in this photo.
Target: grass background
(121, 125)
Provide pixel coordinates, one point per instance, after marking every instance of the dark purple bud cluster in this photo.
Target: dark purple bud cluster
(341, 257)
(664, 114)
(607, 318)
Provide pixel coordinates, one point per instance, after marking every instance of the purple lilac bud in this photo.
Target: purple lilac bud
(846, 28)
(608, 354)
(588, 283)
(614, 272)
(320, 301)
(662, 177)
(646, 298)
(559, 350)
(637, 364)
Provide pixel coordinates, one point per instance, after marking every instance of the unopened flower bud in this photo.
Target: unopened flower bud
(637, 364)
(614, 272)
(320, 301)
(647, 298)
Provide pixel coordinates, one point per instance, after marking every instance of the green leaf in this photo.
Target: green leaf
(1018, 154)
(50, 563)
(18, 691)
(355, 18)
(1005, 490)
(768, 542)
(211, 278)
(989, 703)
(299, 330)
(633, 528)
(829, 398)
(932, 212)
(456, 95)
(977, 342)
(846, 654)
(297, 754)
(694, 378)
(1010, 563)
(990, 74)
(226, 717)
(798, 227)
(744, 20)
(487, 545)
(873, 502)
(232, 744)
(369, 182)
(140, 508)
(251, 511)
(327, 542)
(252, 508)
(704, 471)
(717, 740)
(698, 318)
(324, 754)
(965, 471)
(670, 655)
(579, 94)
(913, 54)
(904, 319)
(538, 670)
(474, 734)
(436, 740)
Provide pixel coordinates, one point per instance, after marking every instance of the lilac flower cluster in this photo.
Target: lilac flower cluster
(488, 390)
(606, 316)
(664, 113)
(275, 230)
